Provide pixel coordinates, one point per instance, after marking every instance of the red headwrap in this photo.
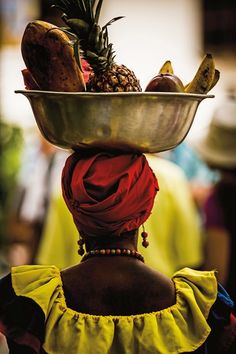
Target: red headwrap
(108, 193)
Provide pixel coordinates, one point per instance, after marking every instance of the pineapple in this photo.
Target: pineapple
(91, 41)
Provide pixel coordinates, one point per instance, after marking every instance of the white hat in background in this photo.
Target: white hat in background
(217, 146)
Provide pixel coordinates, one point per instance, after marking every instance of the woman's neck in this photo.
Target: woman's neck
(127, 241)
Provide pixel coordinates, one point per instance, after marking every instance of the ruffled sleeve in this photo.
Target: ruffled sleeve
(196, 292)
(39, 283)
(196, 287)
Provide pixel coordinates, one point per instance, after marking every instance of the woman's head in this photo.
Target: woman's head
(108, 193)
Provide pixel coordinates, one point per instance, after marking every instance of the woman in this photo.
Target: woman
(112, 302)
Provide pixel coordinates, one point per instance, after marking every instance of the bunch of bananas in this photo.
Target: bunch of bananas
(205, 79)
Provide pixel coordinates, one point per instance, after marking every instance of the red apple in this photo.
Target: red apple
(165, 83)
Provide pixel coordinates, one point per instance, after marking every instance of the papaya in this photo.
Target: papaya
(49, 57)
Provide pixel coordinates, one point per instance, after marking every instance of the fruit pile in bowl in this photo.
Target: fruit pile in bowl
(81, 98)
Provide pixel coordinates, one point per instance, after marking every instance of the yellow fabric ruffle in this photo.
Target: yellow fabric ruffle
(176, 329)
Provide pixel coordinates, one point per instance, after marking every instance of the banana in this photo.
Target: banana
(166, 68)
(216, 79)
(214, 82)
(204, 77)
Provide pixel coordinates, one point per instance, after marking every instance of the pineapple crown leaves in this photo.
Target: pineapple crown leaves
(78, 8)
(81, 18)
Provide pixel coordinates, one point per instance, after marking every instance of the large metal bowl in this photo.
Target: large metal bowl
(144, 121)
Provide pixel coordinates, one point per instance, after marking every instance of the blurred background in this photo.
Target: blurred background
(151, 32)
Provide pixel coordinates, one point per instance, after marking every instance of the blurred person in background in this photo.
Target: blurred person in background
(200, 177)
(38, 177)
(173, 227)
(11, 144)
(218, 148)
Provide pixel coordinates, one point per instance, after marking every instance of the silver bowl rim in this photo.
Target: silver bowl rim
(120, 94)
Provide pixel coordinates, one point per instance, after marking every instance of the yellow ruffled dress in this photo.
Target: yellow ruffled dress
(179, 328)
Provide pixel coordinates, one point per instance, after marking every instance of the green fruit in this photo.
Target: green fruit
(165, 83)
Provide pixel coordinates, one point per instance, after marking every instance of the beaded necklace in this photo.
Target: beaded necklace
(113, 252)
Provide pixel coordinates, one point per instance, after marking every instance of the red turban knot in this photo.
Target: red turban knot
(108, 193)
